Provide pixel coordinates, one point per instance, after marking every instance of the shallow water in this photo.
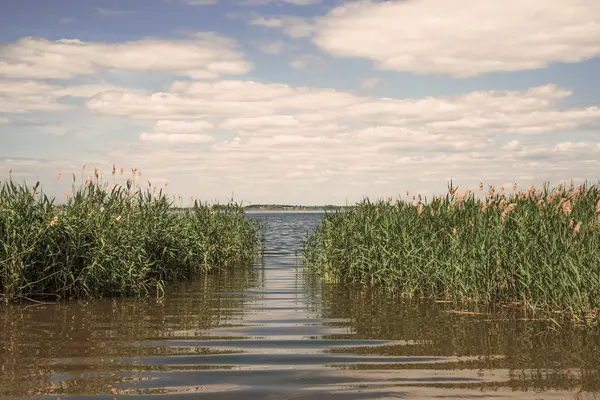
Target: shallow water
(275, 332)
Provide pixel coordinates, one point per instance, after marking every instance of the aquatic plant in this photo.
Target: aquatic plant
(535, 248)
(121, 240)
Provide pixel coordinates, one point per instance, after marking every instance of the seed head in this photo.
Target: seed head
(118, 217)
(481, 186)
(453, 230)
(114, 170)
(566, 207)
(598, 207)
(58, 175)
(571, 223)
(121, 171)
(166, 182)
(515, 187)
(82, 166)
(54, 221)
(577, 227)
(101, 209)
(67, 192)
(419, 209)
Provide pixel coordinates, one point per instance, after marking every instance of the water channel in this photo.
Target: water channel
(274, 331)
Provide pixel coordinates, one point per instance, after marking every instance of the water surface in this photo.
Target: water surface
(275, 332)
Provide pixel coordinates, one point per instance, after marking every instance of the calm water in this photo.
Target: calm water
(274, 332)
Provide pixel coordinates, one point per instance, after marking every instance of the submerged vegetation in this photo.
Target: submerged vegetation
(121, 240)
(538, 249)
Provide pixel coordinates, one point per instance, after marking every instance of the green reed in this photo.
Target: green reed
(117, 241)
(537, 248)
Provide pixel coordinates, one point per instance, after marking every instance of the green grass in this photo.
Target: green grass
(111, 242)
(537, 248)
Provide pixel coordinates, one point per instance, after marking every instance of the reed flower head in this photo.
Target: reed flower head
(515, 187)
(121, 171)
(571, 222)
(10, 171)
(101, 209)
(54, 221)
(566, 207)
(598, 207)
(67, 192)
(377, 211)
(397, 205)
(419, 209)
(453, 230)
(82, 166)
(58, 175)
(166, 182)
(114, 170)
(577, 227)
(481, 186)
(118, 217)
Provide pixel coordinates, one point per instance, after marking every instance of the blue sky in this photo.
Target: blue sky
(301, 101)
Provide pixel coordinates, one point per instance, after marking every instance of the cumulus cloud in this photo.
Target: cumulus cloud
(175, 132)
(294, 27)
(204, 56)
(529, 112)
(465, 37)
(21, 96)
(312, 142)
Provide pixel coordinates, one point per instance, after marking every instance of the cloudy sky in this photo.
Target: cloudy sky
(301, 101)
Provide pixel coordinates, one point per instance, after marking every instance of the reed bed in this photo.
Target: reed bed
(117, 241)
(538, 249)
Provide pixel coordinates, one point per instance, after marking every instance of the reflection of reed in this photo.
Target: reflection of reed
(536, 355)
(82, 347)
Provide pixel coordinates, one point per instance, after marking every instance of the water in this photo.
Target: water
(274, 332)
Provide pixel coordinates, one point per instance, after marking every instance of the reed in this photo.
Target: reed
(113, 241)
(538, 249)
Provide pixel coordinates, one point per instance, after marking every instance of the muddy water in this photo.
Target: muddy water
(274, 332)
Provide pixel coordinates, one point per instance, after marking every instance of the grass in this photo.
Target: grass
(539, 249)
(113, 241)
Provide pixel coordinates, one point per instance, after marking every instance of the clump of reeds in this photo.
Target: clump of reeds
(536, 248)
(106, 241)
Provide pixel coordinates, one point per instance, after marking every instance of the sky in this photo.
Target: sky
(300, 101)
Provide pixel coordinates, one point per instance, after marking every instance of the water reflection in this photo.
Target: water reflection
(274, 331)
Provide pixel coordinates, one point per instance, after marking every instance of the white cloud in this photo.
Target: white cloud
(529, 112)
(175, 132)
(294, 27)
(464, 37)
(206, 55)
(66, 20)
(21, 96)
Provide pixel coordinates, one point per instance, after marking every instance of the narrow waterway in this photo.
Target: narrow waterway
(276, 332)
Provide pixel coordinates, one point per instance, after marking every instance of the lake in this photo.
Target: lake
(274, 331)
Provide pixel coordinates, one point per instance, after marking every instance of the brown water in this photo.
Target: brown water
(274, 332)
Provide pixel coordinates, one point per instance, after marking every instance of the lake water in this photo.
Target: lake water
(275, 332)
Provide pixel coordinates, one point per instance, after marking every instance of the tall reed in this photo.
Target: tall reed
(117, 241)
(537, 248)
